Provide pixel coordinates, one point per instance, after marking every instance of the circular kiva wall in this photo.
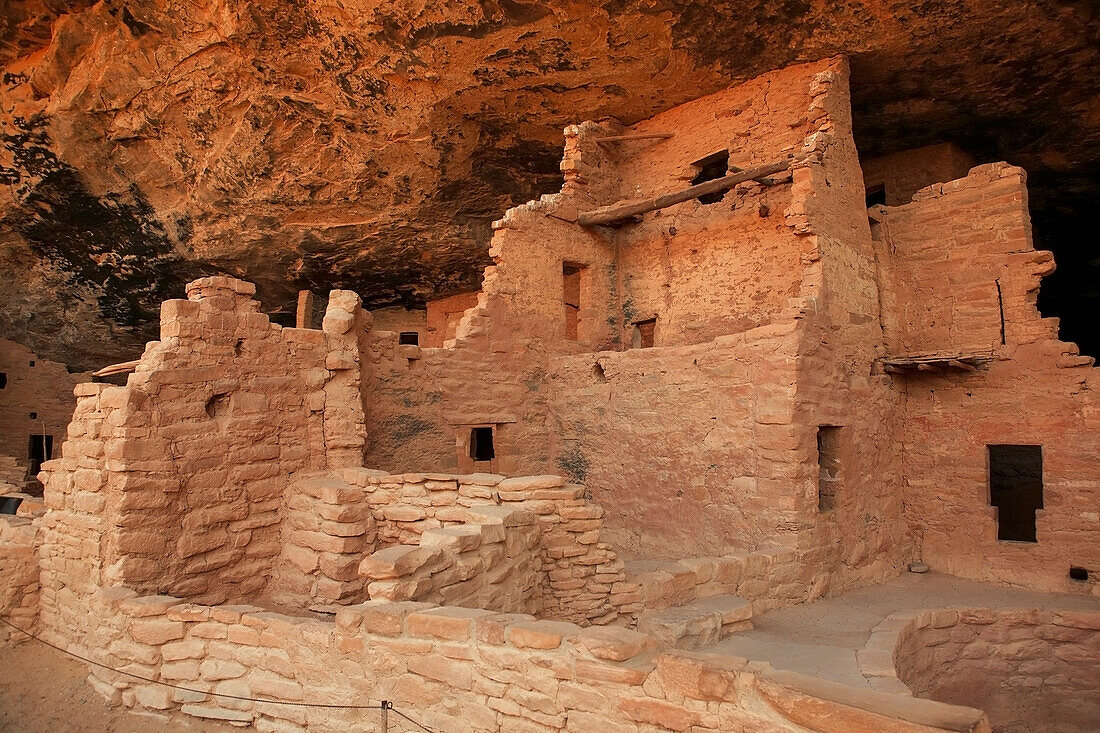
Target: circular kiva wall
(1029, 670)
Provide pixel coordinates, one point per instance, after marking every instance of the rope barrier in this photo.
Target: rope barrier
(385, 705)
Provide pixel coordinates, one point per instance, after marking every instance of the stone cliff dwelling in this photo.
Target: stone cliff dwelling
(739, 432)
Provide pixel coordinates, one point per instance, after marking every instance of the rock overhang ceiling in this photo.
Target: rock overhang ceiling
(369, 145)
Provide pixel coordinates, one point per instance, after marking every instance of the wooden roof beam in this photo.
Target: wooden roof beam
(627, 209)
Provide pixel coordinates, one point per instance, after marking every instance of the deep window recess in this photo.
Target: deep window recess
(710, 168)
(644, 333)
(571, 298)
(876, 196)
(481, 444)
(3, 380)
(409, 338)
(1016, 489)
(8, 504)
(39, 450)
(828, 466)
(1077, 573)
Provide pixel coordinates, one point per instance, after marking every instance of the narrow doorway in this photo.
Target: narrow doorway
(828, 466)
(571, 299)
(1016, 489)
(644, 334)
(39, 450)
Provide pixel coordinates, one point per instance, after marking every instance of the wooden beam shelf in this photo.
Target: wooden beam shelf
(935, 363)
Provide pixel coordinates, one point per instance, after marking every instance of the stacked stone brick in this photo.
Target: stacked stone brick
(229, 469)
(491, 562)
(1031, 669)
(19, 595)
(579, 569)
(180, 474)
(327, 529)
(457, 669)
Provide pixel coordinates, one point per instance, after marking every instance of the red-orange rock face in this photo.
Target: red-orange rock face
(369, 146)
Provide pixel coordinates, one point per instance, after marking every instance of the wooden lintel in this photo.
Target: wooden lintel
(961, 365)
(922, 367)
(891, 369)
(126, 366)
(626, 209)
(635, 136)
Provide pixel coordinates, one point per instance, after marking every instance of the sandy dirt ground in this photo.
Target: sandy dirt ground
(43, 690)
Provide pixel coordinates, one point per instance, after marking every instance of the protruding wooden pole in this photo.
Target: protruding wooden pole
(627, 209)
(635, 136)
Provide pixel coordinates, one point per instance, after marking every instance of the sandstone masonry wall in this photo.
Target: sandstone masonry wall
(175, 482)
(739, 436)
(707, 270)
(956, 244)
(459, 669)
(1029, 670)
(904, 173)
(960, 272)
(678, 442)
(19, 594)
(33, 386)
(851, 522)
(443, 317)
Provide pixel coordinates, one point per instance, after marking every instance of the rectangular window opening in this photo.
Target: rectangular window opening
(481, 444)
(828, 466)
(711, 168)
(39, 450)
(409, 338)
(644, 332)
(876, 196)
(1016, 489)
(571, 298)
(3, 380)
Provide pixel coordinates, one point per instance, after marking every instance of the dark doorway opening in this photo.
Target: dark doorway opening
(481, 444)
(1016, 489)
(8, 504)
(710, 168)
(876, 196)
(3, 380)
(409, 338)
(644, 333)
(39, 450)
(828, 466)
(571, 299)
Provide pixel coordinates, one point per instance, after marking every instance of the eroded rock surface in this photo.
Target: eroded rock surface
(369, 146)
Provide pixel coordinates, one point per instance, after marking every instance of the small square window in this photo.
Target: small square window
(481, 444)
(409, 338)
(711, 168)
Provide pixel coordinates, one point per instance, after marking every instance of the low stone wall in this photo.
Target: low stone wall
(449, 668)
(491, 562)
(18, 576)
(460, 669)
(580, 570)
(1030, 670)
(770, 578)
(327, 528)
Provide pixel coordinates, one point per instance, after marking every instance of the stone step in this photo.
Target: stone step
(698, 624)
(734, 609)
